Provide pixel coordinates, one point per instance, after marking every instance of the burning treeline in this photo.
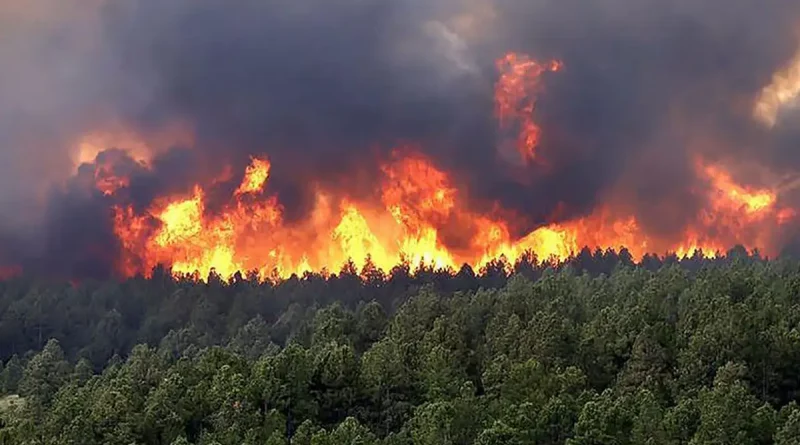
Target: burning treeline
(418, 214)
(284, 137)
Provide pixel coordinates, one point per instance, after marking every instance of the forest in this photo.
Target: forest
(596, 350)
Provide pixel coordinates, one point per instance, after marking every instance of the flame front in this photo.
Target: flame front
(419, 215)
(417, 200)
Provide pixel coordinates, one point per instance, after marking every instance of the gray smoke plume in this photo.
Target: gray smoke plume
(327, 89)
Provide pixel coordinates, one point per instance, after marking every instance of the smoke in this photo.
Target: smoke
(59, 82)
(328, 89)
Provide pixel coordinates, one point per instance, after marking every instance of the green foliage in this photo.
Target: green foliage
(692, 352)
(44, 374)
(11, 375)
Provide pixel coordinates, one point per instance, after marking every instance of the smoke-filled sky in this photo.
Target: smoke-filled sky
(328, 88)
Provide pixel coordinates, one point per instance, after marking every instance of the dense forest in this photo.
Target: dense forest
(595, 350)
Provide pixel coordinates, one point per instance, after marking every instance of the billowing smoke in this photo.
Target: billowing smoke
(328, 89)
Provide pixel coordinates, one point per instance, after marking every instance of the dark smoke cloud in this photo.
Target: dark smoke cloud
(316, 85)
(327, 89)
(645, 82)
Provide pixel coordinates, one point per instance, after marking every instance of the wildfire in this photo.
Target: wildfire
(419, 206)
(106, 181)
(255, 177)
(735, 196)
(419, 215)
(515, 98)
(106, 178)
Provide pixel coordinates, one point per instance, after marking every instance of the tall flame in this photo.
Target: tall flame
(417, 201)
(255, 177)
(515, 98)
(418, 216)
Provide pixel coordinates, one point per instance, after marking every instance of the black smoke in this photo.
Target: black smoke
(328, 89)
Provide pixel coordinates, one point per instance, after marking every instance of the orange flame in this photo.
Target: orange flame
(417, 210)
(515, 98)
(735, 196)
(255, 176)
(418, 216)
(106, 181)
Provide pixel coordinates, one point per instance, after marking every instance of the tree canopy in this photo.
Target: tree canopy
(597, 350)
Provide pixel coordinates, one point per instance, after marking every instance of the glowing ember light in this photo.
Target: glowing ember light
(107, 182)
(418, 204)
(515, 98)
(734, 195)
(417, 215)
(255, 176)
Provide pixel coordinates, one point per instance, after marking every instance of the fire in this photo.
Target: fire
(107, 181)
(419, 215)
(190, 241)
(417, 208)
(735, 196)
(515, 98)
(106, 177)
(255, 177)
